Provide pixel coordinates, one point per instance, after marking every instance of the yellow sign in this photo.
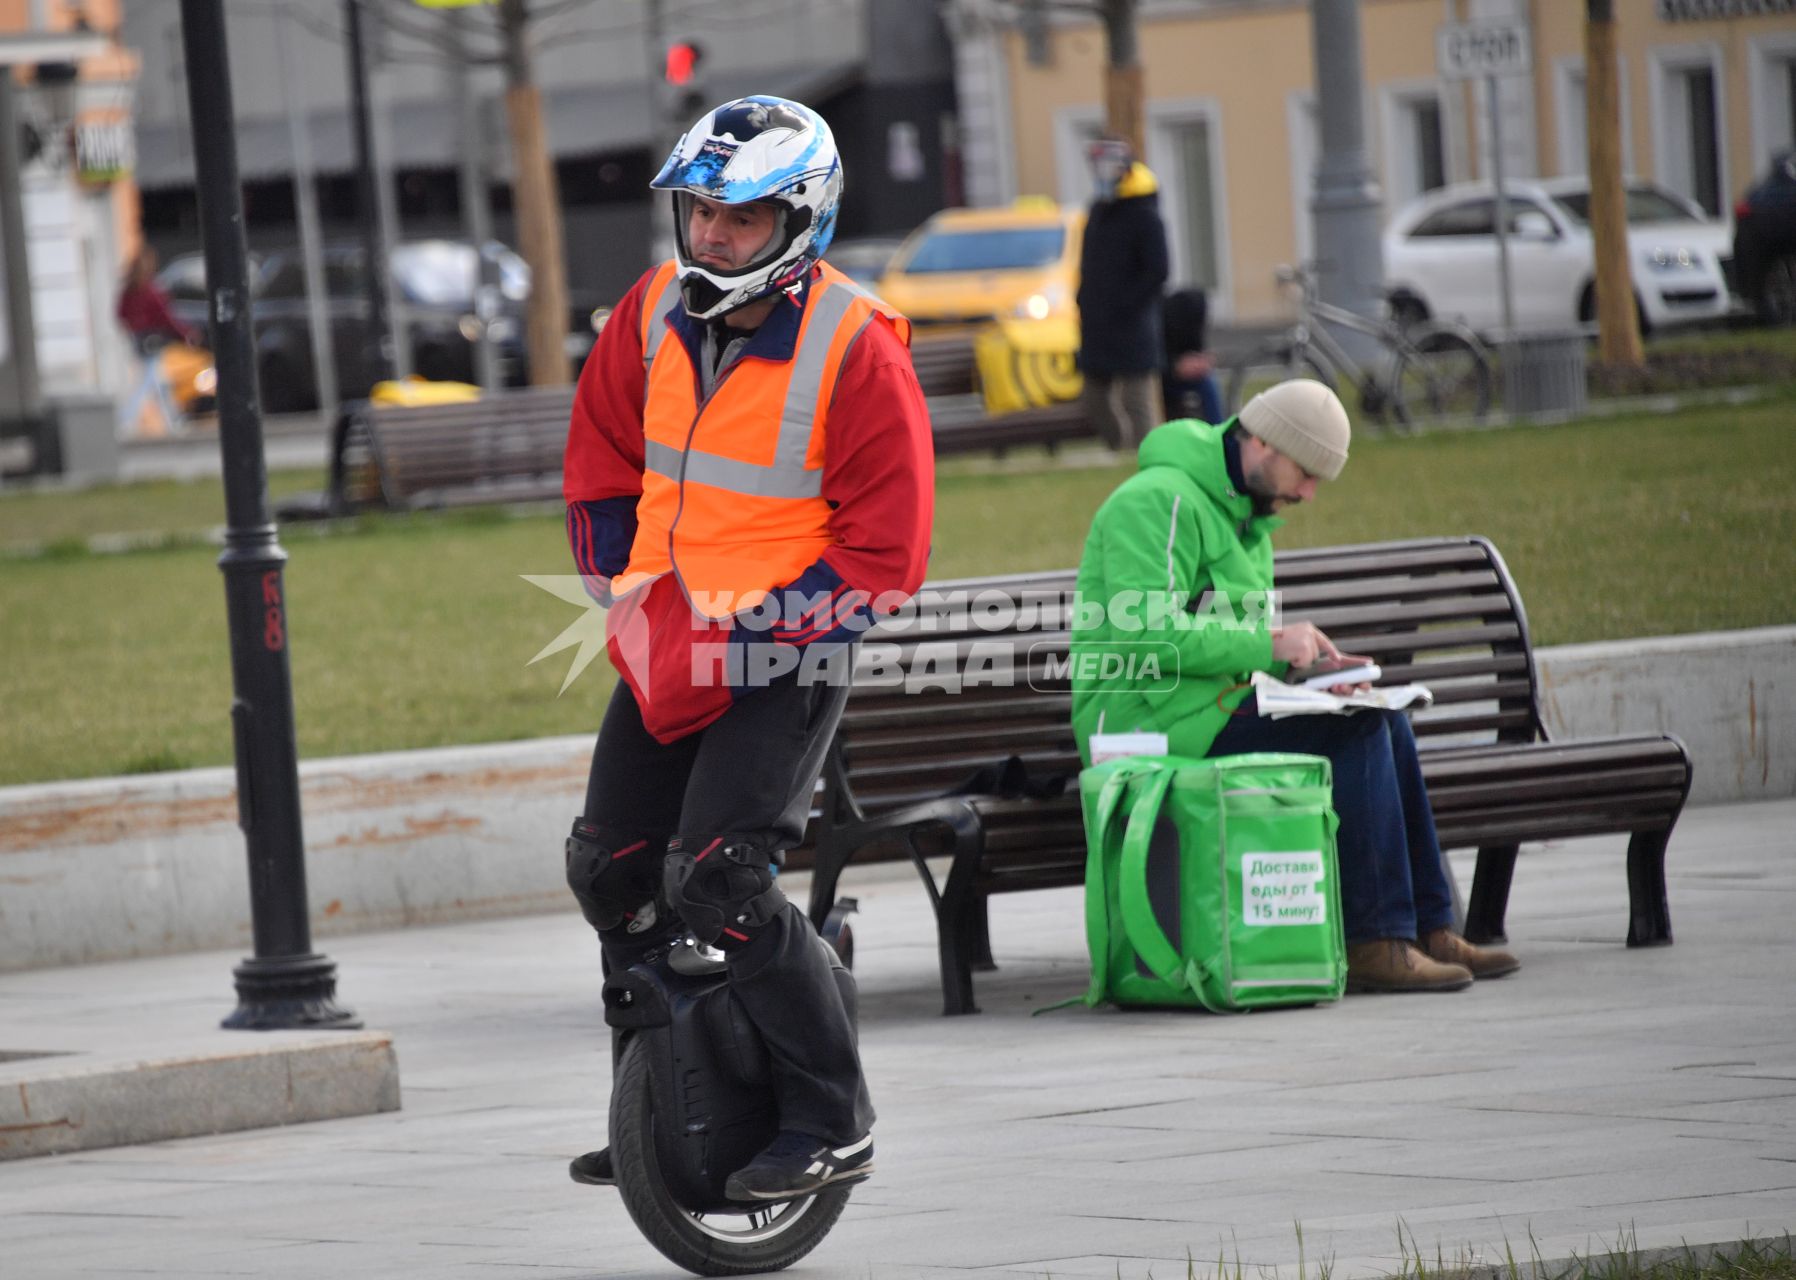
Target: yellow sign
(1024, 364)
(417, 391)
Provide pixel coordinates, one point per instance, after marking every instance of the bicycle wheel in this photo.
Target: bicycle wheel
(1272, 364)
(1442, 374)
(763, 1239)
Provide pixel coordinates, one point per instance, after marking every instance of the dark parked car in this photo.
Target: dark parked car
(1765, 243)
(436, 285)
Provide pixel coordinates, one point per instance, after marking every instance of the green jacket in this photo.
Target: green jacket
(1149, 650)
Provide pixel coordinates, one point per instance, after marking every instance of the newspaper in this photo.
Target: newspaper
(1278, 699)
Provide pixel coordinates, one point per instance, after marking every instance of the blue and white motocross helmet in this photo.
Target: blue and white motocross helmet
(754, 149)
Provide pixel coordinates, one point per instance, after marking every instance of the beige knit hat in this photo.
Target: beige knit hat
(1304, 421)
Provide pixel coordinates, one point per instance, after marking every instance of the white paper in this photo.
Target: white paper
(1113, 746)
(1363, 673)
(1278, 699)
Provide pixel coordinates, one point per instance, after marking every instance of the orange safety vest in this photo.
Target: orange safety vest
(732, 487)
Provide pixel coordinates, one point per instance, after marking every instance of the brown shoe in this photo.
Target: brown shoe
(1484, 962)
(1394, 964)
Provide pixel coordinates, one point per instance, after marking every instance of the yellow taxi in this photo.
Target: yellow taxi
(970, 266)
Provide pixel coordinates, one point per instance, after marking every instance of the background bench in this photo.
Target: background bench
(507, 446)
(1441, 612)
(946, 369)
(504, 447)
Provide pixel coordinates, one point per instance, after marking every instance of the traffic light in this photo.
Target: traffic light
(683, 57)
(685, 94)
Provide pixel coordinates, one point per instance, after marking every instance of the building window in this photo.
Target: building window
(1790, 100)
(1573, 107)
(1698, 91)
(1416, 156)
(1196, 229)
(1688, 149)
(1184, 150)
(1430, 155)
(1304, 128)
(1771, 84)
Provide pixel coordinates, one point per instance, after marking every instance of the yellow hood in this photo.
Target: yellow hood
(1138, 181)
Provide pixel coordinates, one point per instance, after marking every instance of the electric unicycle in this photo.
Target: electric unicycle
(691, 1102)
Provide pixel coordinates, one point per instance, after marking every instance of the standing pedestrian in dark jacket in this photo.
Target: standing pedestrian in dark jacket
(1122, 268)
(1189, 383)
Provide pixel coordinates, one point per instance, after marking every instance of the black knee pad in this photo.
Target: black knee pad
(614, 874)
(722, 886)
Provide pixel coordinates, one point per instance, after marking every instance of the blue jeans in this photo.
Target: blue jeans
(1393, 881)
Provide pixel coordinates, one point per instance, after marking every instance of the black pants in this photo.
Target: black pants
(752, 771)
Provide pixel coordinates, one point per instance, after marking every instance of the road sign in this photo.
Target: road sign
(1467, 50)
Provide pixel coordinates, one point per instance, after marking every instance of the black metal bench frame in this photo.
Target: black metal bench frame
(1443, 612)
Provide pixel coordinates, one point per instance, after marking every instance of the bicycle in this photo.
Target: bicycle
(692, 1101)
(1432, 369)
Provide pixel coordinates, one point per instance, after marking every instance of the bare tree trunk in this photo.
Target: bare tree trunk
(1123, 85)
(538, 204)
(1618, 327)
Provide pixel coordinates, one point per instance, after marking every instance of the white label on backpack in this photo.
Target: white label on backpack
(1113, 746)
(1283, 888)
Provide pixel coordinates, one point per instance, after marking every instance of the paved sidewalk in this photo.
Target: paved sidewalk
(1597, 1094)
(289, 441)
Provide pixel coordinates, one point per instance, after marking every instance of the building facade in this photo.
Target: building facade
(77, 202)
(883, 78)
(1708, 94)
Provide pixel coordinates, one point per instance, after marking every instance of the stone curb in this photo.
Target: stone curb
(114, 868)
(55, 1102)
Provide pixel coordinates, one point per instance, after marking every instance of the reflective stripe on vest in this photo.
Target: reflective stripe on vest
(658, 302)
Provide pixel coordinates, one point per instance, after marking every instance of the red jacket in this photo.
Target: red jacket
(143, 310)
(878, 477)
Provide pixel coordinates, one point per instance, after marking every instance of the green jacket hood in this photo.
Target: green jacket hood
(1195, 449)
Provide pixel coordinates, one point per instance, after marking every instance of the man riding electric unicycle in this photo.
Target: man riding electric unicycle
(749, 485)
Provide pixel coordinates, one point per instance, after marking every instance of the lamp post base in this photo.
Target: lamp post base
(289, 993)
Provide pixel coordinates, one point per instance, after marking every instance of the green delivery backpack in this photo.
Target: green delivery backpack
(1212, 882)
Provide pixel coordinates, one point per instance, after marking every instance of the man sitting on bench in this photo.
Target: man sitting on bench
(1191, 531)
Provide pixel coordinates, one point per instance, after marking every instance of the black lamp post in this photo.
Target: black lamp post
(285, 984)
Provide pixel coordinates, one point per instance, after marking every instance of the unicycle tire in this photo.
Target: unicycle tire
(761, 1239)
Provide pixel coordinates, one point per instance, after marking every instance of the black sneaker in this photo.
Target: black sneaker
(593, 1169)
(796, 1164)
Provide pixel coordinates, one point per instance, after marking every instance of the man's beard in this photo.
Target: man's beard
(1264, 496)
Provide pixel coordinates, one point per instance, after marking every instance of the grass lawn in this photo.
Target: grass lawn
(417, 631)
(63, 520)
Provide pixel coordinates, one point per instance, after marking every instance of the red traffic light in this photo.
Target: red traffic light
(683, 57)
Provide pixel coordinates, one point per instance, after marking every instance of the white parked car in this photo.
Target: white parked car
(1440, 256)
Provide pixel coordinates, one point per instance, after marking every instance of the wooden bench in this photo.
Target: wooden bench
(508, 447)
(968, 429)
(1441, 612)
(504, 447)
(944, 363)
